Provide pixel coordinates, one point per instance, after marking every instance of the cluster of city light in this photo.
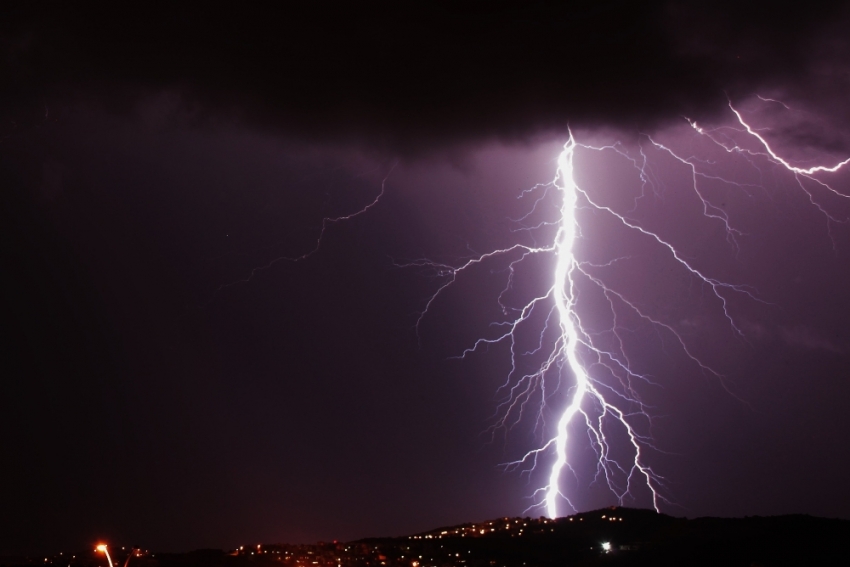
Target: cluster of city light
(323, 554)
(516, 527)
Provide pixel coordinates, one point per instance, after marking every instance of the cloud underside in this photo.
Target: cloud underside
(428, 72)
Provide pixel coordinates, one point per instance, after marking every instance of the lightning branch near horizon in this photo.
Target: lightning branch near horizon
(603, 398)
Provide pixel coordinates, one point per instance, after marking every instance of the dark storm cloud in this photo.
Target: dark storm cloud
(421, 72)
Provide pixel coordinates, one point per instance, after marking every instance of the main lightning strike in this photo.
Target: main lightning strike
(565, 355)
(597, 404)
(592, 400)
(564, 295)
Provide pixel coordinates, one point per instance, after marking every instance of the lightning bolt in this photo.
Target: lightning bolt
(586, 377)
(593, 403)
(598, 405)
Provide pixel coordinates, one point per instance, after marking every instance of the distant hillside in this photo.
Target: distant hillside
(624, 536)
(612, 536)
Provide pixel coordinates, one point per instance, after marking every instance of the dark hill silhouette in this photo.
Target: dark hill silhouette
(611, 536)
(634, 537)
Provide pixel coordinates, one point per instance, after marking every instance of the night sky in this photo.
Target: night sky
(170, 378)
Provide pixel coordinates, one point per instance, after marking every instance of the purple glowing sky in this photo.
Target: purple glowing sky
(145, 403)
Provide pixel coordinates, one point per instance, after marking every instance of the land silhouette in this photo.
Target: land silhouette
(610, 536)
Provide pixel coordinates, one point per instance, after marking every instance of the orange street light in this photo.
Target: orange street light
(102, 547)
